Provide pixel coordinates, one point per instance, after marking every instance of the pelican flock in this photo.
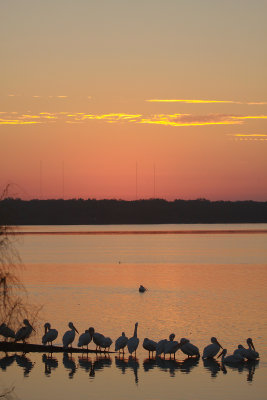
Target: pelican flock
(163, 346)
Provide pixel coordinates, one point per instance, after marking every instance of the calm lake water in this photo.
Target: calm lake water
(203, 281)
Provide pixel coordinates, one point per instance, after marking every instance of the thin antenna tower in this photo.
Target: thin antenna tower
(136, 180)
(154, 181)
(41, 180)
(63, 180)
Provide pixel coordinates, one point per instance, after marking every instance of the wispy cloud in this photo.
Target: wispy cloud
(17, 122)
(249, 117)
(174, 120)
(249, 136)
(112, 117)
(200, 101)
(189, 120)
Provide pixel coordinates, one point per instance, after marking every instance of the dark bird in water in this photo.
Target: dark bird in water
(212, 349)
(142, 289)
(250, 353)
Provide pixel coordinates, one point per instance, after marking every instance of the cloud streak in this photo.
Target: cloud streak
(174, 120)
(199, 101)
(249, 136)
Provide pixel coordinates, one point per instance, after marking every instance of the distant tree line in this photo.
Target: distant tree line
(153, 211)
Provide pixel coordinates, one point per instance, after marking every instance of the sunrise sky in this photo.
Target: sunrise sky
(134, 99)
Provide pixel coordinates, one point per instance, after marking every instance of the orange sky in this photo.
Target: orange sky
(126, 100)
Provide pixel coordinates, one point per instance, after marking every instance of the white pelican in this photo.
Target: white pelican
(106, 343)
(6, 331)
(85, 338)
(212, 349)
(133, 342)
(24, 332)
(171, 346)
(160, 347)
(121, 342)
(69, 336)
(149, 345)
(250, 353)
(232, 359)
(50, 334)
(98, 338)
(188, 348)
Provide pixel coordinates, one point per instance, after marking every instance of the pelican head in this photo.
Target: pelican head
(183, 341)
(136, 324)
(224, 352)
(123, 334)
(215, 341)
(71, 326)
(250, 343)
(91, 331)
(172, 336)
(47, 326)
(26, 322)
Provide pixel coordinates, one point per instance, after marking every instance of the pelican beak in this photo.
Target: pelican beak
(252, 345)
(33, 328)
(219, 355)
(46, 329)
(75, 329)
(219, 345)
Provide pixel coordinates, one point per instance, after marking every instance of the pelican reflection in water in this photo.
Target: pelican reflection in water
(170, 365)
(99, 364)
(249, 366)
(130, 363)
(7, 361)
(85, 362)
(212, 366)
(188, 364)
(25, 363)
(69, 364)
(50, 362)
